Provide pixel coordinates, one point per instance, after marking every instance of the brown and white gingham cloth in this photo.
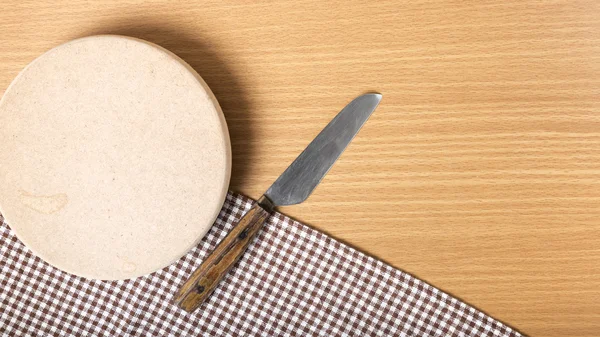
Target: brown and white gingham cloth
(293, 281)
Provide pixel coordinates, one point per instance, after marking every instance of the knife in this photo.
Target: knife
(292, 187)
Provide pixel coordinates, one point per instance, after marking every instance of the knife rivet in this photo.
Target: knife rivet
(243, 234)
(200, 289)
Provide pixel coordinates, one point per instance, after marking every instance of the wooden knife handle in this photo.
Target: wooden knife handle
(218, 263)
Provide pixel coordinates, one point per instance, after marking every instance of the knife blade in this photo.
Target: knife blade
(292, 187)
(298, 181)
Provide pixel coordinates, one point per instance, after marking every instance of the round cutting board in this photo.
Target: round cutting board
(114, 157)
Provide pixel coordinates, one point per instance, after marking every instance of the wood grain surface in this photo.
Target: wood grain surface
(480, 170)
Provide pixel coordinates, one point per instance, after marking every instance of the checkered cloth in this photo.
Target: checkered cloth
(292, 281)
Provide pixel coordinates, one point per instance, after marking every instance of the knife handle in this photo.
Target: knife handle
(219, 262)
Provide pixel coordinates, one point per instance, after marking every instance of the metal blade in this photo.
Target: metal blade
(304, 174)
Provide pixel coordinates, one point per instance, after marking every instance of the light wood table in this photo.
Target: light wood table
(480, 170)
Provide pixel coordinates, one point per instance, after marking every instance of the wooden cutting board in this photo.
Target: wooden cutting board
(115, 157)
